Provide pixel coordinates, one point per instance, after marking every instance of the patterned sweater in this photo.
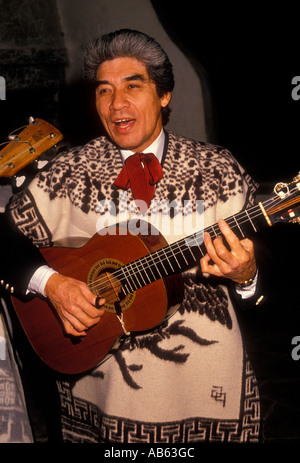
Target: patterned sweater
(189, 379)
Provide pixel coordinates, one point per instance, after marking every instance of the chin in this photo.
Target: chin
(126, 144)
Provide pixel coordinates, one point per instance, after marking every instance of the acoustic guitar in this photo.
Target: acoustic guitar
(138, 275)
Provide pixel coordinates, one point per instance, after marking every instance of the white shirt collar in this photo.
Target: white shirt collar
(157, 148)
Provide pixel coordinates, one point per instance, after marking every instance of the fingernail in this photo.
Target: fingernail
(99, 301)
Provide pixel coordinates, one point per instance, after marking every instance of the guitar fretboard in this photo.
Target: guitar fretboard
(185, 253)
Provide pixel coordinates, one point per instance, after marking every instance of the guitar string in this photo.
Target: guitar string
(162, 251)
(248, 214)
(16, 138)
(288, 203)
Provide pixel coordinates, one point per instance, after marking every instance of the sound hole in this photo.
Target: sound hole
(103, 281)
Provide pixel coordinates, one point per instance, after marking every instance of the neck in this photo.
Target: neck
(157, 148)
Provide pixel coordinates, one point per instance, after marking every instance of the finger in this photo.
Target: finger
(209, 268)
(99, 301)
(79, 312)
(231, 238)
(216, 249)
(248, 246)
(209, 263)
(240, 250)
(84, 318)
(91, 311)
(225, 261)
(90, 304)
(208, 244)
(70, 328)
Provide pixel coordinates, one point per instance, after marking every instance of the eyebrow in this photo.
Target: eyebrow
(139, 77)
(135, 77)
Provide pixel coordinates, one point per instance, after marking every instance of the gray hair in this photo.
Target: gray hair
(134, 44)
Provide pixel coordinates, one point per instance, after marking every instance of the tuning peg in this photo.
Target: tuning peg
(281, 189)
(31, 120)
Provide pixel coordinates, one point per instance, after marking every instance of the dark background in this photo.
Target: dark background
(250, 55)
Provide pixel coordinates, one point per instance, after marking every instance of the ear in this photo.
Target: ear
(165, 99)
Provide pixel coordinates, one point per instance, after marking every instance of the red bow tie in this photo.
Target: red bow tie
(140, 179)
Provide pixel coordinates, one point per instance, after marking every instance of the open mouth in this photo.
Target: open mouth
(124, 124)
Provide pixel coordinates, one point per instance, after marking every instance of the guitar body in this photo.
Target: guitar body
(142, 309)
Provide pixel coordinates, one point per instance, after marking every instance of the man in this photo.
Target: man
(185, 380)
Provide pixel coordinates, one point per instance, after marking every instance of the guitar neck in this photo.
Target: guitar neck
(185, 253)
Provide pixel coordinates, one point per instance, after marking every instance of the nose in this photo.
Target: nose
(118, 101)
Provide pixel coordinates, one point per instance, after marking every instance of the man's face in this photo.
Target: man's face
(127, 103)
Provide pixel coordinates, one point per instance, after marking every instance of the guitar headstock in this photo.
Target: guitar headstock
(36, 138)
(284, 205)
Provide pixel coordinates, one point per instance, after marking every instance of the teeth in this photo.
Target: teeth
(122, 121)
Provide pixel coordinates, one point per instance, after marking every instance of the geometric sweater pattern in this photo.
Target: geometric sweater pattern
(189, 379)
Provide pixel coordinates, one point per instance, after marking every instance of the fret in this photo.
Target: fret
(253, 226)
(168, 260)
(161, 263)
(133, 277)
(191, 252)
(200, 246)
(175, 258)
(193, 242)
(150, 266)
(216, 233)
(125, 290)
(129, 289)
(181, 252)
(241, 231)
(139, 273)
(201, 250)
(146, 269)
(155, 266)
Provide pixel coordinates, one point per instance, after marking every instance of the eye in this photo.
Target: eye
(103, 91)
(131, 86)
